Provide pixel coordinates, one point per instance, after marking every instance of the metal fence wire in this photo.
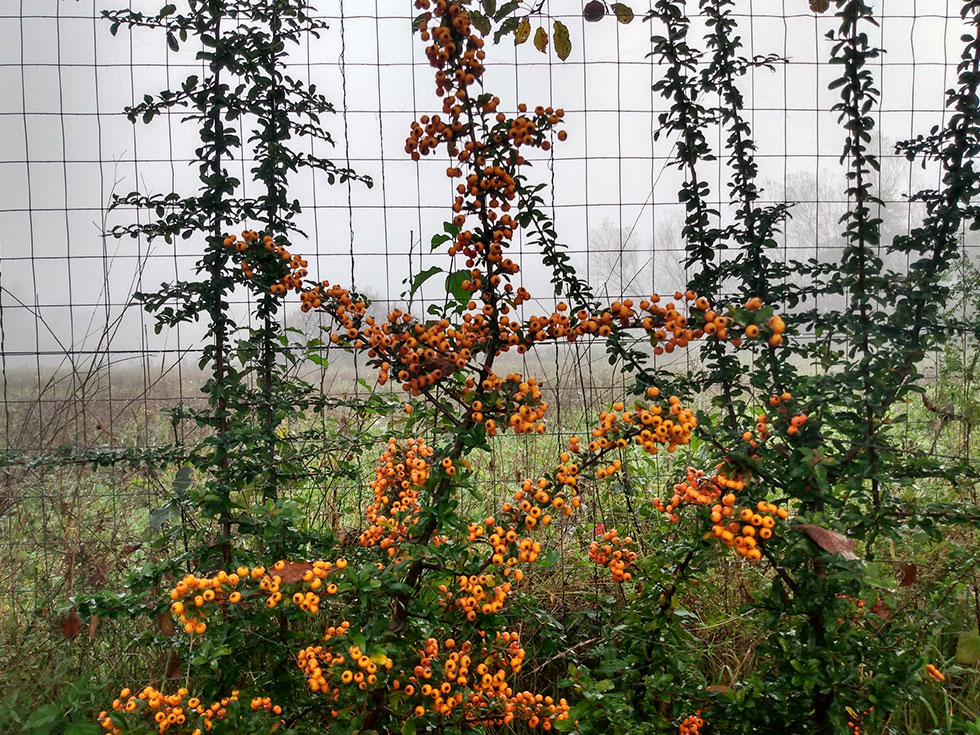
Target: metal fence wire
(82, 369)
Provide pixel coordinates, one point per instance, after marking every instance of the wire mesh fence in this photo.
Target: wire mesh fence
(84, 372)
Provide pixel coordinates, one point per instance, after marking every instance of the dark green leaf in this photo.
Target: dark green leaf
(422, 277)
(182, 480)
(43, 719)
(454, 285)
(159, 516)
(82, 728)
(480, 22)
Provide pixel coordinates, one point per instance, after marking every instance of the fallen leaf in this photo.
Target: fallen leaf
(593, 11)
(908, 571)
(71, 624)
(292, 572)
(835, 543)
(563, 44)
(541, 39)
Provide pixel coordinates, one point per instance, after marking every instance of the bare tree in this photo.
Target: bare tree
(818, 202)
(623, 263)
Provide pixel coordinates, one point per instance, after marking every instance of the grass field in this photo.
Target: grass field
(71, 527)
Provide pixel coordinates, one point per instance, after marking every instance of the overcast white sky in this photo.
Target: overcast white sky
(65, 146)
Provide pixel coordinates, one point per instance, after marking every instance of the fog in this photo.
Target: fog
(66, 148)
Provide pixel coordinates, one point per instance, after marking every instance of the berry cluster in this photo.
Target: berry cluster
(613, 552)
(402, 472)
(176, 713)
(691, 725)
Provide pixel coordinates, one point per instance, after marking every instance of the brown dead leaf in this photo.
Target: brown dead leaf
(292, 572)
(93, 625)
(593, 11)
(909, 572)
(720, 688)
(165, 621)
(881, 610)
(71, 624)
(97, 573)
(442, 365)
(835, 543)
(129, 549)
(348, 537)
(819, 6)
(173, 665)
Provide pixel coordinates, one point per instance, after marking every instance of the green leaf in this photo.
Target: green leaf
(508, 26)
(408, 727)
(624, 13)
(541, 39)
(523, 32)
(182, 480)
(480, 22)
(82, 728)
(968, 649)
(422, 277)
(454, 285)
(159, 516)
(490, 6)
(318, 359)
(168, 9)
(506, 9)
(172, 42)
(43, 719)
(563, 44)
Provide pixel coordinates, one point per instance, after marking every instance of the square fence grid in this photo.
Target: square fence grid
(82, 367)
